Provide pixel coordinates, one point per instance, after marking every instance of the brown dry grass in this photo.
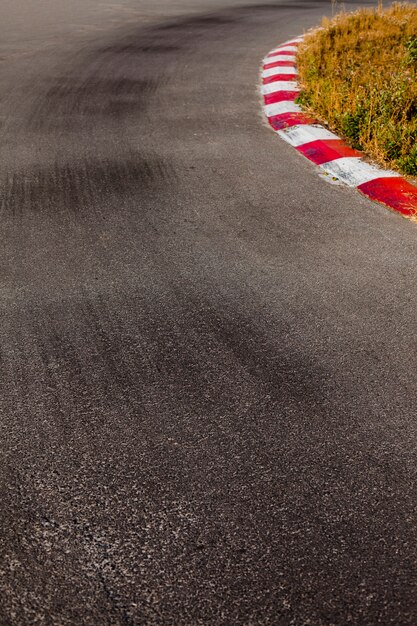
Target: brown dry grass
(359, 74)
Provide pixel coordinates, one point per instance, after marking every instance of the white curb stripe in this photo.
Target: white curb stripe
(354, 172)
(276, 71)
(299, 135)
(280, 85)
(288, 106)
(280, 57)
(284, 49)
(296, 40)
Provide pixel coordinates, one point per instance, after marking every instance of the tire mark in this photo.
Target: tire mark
(78, 187)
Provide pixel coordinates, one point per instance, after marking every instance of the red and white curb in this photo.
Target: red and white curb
(332, 155)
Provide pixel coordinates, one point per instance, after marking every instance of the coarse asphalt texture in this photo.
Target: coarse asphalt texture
(208, 354)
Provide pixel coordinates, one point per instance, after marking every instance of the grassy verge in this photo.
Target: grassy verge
(359, 75)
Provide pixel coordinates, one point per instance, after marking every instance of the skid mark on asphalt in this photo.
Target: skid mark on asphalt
(78, 187)
(138, 48)
(101, 93)
(116, 79)
(196, 22)
(76, 104)
(136, 427)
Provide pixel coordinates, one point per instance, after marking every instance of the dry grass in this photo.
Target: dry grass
(359, 75)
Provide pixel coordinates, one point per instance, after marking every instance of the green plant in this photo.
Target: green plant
(411, 47)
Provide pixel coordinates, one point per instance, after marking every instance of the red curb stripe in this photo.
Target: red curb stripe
(396, 193)
(269, 66)
(287, 52)
(325, 150)
(285, 120)
(281, 96)
(277, 77)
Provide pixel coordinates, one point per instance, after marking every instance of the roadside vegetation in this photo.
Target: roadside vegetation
(359, 75)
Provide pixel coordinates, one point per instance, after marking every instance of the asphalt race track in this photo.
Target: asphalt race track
(208, 354)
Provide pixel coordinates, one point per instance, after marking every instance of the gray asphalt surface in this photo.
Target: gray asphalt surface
(208, 354)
